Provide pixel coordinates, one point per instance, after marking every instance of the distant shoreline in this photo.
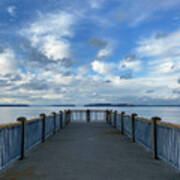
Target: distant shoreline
(28, 105)
(86, 105)
(127, 105)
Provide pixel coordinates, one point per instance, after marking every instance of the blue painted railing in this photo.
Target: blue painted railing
(11, 136)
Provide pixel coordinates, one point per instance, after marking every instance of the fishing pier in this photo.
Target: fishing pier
(89, 145)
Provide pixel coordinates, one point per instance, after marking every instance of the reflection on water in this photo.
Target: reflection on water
(168, 114)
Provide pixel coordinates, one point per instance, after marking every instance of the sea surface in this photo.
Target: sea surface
(168, 114)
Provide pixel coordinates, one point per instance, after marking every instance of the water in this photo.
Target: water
(168, 114)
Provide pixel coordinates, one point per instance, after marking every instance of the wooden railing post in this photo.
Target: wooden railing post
(154, 136)
(107, 116)
(61, 119)
(115, 119)
(43, 116)
(133, 126)
(23, 136)
(122, 122)
(88, 115)
(110, 117)
(69, 116)
(54, 119)
(66, 117)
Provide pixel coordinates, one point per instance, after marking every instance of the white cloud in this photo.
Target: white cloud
(48, 33)
(165, 65)
(163, 52)
(167, 46)
(131, 62)
(102, 68)
(11, 10)
(83, 70)
(8, 62)
(53, 96)
(55, 48)
(104, 53)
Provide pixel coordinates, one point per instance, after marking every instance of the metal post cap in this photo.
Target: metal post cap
(156, 118)
(21, 119)
(42, 115)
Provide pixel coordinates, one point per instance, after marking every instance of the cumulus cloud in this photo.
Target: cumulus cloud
(55, 48)
(8, 62)
(131, 62)
(102, 68)
(49, 33)
(104, 53)
(105, 47)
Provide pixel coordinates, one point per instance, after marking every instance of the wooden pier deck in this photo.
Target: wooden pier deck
(89, 151)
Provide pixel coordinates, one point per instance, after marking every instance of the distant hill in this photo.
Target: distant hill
(106, 105)
(14, 105)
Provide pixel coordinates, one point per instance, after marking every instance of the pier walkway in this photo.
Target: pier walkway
(89, 151)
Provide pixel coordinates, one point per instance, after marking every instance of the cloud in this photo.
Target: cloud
(163, 50)
(4, 83)
(131, 62)
(55, 48)
(126, 76)
(98, 43)
(8, 62)
(141, 11)
(165, 46)
(176, 91)
(104, 53)
(150, 91)
(11, 10)
(96, 4)
(108, 81)
(102, 68)
(35, 84)
(83, 70)
(105, 47)
(166, 66)
(178, 81)
(49, 33)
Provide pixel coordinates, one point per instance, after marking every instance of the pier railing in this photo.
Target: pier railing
(163, 139)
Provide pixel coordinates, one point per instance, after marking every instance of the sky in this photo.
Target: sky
(90, 51)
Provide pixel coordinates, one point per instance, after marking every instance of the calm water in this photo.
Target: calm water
(168, 114)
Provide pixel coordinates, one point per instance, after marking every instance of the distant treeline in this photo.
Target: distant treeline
(14, 105)
(126, 105)
(28, 105)
(107, 105)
